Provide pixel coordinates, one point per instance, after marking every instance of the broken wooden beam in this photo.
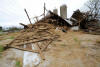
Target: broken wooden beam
(25, 26)
(28, 16)
(41, 54)
(23, 49)
(43, 49)
(18, 44)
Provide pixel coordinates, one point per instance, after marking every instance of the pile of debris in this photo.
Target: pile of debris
(40, 34)
(77, 17)
(83, 21)
(92, 27)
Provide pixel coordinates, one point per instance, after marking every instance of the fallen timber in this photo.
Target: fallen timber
(41, 34)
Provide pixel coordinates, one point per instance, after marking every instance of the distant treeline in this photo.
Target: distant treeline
(11, 29)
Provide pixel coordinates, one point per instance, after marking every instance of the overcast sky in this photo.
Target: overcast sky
(12, 11)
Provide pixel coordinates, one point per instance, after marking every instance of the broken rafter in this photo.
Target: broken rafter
(28, 16)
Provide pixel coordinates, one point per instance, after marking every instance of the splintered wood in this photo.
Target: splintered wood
(35, 38)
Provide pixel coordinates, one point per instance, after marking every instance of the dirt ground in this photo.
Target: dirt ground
(72, 49)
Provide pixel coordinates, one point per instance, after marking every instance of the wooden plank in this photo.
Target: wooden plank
(43, 49)
(23, 49)
(18, 44)
(41, 54)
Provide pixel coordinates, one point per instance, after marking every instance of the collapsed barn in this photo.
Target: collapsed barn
(84, 22)
(42, 33)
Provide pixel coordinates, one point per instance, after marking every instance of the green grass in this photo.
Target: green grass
(0, 55)
(11, 37)
(1, 48)
(77, 40)
(18, 64)
(1, 34)
(0, 30)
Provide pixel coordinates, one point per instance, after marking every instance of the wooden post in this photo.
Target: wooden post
(44, 11)
(28, 16)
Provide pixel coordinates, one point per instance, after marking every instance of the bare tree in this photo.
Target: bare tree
(94, 8)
